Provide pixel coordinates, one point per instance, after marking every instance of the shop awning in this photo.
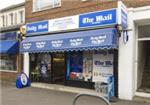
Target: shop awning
(9, 47)
(82, 40)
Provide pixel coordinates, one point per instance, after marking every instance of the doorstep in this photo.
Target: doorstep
(62, 88)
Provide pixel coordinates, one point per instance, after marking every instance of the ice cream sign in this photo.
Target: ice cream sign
(100, 18)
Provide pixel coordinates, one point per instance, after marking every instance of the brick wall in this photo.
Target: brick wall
(74, 7)
(68, 8)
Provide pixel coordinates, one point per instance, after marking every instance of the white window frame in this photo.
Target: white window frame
(34, 9)
(11, 18)
(3, 20)
(21, 20)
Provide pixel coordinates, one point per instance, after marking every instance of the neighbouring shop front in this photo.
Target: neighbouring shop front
(79, 57)
(9, 55)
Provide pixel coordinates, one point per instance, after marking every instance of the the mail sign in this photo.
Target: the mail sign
(100, 18)
(38, 27)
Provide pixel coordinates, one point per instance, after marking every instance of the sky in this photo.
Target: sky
(6, 3)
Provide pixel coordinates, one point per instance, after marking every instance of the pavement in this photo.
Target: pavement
(10, 95)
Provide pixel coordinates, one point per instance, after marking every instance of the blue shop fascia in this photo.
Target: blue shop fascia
(76, 50)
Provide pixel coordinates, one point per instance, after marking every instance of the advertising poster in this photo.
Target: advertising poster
(76, 66)
(102, 66)
(87, 65)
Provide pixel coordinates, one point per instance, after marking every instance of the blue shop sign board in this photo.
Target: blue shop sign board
(8, 35)
(38, 27)
(100, 18)
(123, 19)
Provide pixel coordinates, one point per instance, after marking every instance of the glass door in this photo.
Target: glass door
(58, 68)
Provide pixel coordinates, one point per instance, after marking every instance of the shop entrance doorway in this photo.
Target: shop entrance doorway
(144, 67)
(143, 74)
(58, 68)
(40, 67)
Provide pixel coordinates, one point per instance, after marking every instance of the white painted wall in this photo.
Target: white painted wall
(126, 52)
(26, 64)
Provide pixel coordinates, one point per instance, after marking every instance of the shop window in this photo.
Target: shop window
(8, 62)
(39, 5)
(80, 66)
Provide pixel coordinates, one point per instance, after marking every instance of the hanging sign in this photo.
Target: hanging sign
(122, 14)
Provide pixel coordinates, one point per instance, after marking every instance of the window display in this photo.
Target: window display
(81, 66)
(8, 62)
(87, 65)
(76, 61)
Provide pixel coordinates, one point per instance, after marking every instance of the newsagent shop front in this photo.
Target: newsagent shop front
(75, 58)
(75, 51)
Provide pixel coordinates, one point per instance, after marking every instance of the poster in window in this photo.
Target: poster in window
(76, 66)
(102, 66)
(87, 65)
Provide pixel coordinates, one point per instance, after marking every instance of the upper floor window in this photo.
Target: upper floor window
(3, 20)
(11, 18)
(21, 16)
(39, 5)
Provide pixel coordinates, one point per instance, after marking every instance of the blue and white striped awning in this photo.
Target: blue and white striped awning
(82, 40)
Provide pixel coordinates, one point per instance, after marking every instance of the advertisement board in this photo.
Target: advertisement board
(102, 66)
(65, 23)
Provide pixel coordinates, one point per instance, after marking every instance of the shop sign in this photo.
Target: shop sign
(100, 18)
(65, 23)
(8, 35)
(102, 66)
(122, 15)
(38, 27)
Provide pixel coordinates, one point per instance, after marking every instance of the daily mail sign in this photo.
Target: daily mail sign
(100, 18)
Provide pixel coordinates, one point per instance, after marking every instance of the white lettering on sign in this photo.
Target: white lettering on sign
(57, 43)
(103, 18)
(99, 18)
(88, 20)
(42, 26)
(32, 28)
(76, 42)
(27, 45)
(40, 44)
(98, 39)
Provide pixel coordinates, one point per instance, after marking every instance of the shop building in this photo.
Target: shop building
(77, 43)
(11, 19)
